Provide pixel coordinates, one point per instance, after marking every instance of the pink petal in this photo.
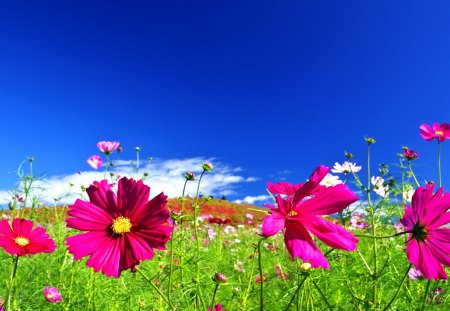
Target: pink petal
(311, 185)
(22, 226)
(331, 234)
(106, 258)
(273, 224)
(88, 216)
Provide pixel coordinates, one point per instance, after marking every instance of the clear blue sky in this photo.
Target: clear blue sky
(263, 85)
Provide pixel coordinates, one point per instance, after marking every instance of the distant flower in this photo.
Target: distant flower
(379, 187)
(346, 167)
(217, 307)
(410, 154)
(299, 214)
(357, 220)
(279, 272)
(207, 167)
(220, 278)
(23, 240)
(249, 216)
(435, 295)
(330, 180)
(239, 266)
(122, 229)
(189, 176)
(399, 227)
(415, 274)
(219, 220)
(258, 278)
(282, 188)
(52, 294)
(428, 245)
(436, 130)
(407, 195)
(95, 161)
(107, 146)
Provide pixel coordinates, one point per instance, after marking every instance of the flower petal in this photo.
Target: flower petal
(331, 234)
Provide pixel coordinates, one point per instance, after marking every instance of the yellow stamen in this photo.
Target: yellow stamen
(21, 241)
(292, 213)
(121, 225)
(439, 133)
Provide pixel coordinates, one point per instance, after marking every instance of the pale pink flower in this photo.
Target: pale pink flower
(95, 161)
(107, 146)
(52, 294)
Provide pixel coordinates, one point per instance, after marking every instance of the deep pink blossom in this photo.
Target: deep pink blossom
(410, 154)
(217, 307)
(300, 216)
(436, 130)
(95, 161)
(122, 229)
(283, 187)
(52, 294)
(23, 240)
(428, 246)
(107, 146)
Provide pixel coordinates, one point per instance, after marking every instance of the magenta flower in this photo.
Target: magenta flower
(300, 213)
(217, 307)
(428, 247)
(52, 294)
(95, 161)
(23, 240)
(107, 146)
(122, 229)
(410, 154)
(283, 188)
(436, 130)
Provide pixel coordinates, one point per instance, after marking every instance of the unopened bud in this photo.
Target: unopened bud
(137, 148)
(306, 266)
(119, 149)
(220, 278)
(348, 155)
(370, 140)
(207, 167)
(189, 176)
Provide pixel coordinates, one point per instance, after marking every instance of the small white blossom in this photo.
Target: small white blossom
(379, 187)
(346, 167)
(330, 180)
(407, 195)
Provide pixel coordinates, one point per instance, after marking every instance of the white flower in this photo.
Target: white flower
(346, 167)
(379, 187)
(407, 195)
(330, 180)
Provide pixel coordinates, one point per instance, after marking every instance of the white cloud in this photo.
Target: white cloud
(253, 199)
(163, 176)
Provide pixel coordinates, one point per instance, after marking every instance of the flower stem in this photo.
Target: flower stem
(214, 295)
(261, 276)
(322, 294)
(413, 175)
(398, 289)
(296, 292)
(156, 288)
(439, 164)
(11, 282)
(425, 296)
(374, 241)
(380, 236)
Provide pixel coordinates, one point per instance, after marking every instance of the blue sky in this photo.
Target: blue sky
(269, 90)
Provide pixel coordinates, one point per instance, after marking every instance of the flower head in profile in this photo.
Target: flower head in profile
(379, 187)
(439, 131)
(52, 294)
(346, 167)
(107, 146)
(95, 161)
(410, 154)
(122, 229)
(21, 239)
(300, 216)
(330, 180)
(428, 246)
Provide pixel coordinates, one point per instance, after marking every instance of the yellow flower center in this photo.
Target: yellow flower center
(21, 241)
(292, 213)
(49, 296)
(121, 225)
(439, 133)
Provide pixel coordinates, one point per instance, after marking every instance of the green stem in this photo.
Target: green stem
(261, 276)
(425, 296)
(137, 163)
(380, 236)
(322, 294)
(296, 292)
(197, 240)
(374, 241)
(214, 296)
(413, 175)
(11, 283)
(106, 166)
(169, 287)
(156, 288)
(439, 164)
(398, 289)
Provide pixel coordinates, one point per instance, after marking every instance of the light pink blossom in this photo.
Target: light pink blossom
(52, 294)
(300, 216)
(95, 161)
(107, 146)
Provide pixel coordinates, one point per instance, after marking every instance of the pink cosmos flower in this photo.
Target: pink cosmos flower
(23, 240)
(436, 130)
(122, 229)
(107, 146)
(428, 247)
(300, 213)
(95, 161)
(282, 188)
(410, 154)
(217, 307)
(52, 294)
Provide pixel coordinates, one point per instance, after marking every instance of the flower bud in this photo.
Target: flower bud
(207, 167)
(370, 140)
(348, 155)
(306, 266)
(137, 148)
(220, 278)
(189, 176)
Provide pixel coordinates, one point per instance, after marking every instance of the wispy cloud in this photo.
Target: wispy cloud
(163, 176)
(254, 199)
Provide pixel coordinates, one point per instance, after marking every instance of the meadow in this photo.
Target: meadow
(203, 253)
